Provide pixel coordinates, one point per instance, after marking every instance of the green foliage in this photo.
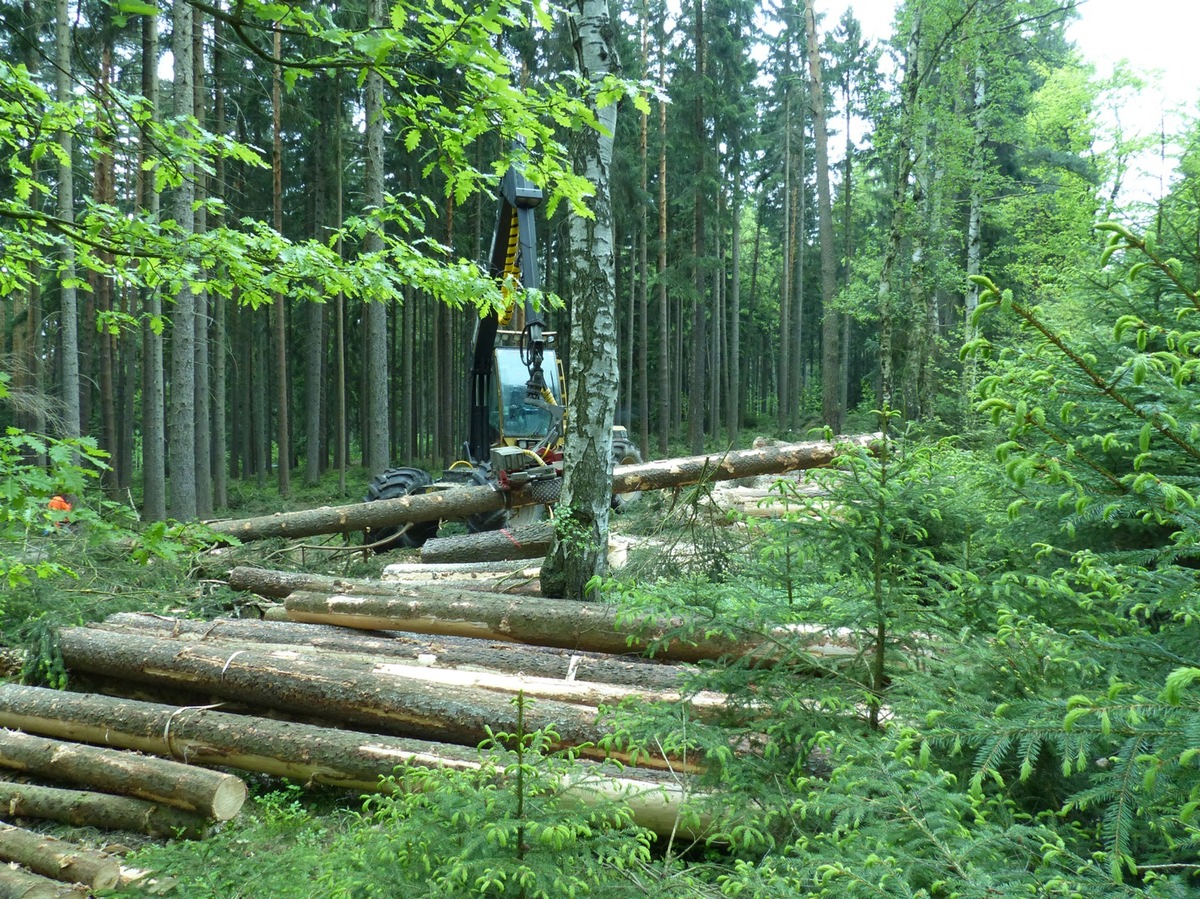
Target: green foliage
(278, 825)
(27, 524)
(504, 829)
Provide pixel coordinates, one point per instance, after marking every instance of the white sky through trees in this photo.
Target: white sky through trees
(1156, 38)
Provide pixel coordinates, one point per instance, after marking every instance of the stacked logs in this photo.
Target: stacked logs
(126, 791)
(362, 677)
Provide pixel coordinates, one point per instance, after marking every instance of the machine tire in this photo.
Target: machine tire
(625, 452)
(393, 484)
(485, 521)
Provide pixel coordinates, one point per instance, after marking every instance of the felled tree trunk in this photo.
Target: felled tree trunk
(83, 808)
(16, 883)
(530, 542)
(440, 712)
(300, 751)
(490, 577)
(460, 502)
(450, 652)
(58, 859)
(546, 622)
(209, 793)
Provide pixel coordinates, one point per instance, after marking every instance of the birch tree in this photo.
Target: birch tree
(579, 551)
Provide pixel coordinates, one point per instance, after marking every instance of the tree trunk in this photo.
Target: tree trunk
(103, 286)
(181, 448)
(664, 317)
(302, 752)
(214, 795)
(831, 409)
(446, 651)
(539, 622)
(733, 400)
(279, 306)
(529, 542)
(81, 808)
(579, 552)
(643, 250)
(18, 884)
(974, 231)
(306, 753)
(443, 712)
(220, 340)
(375, 441)
(154, 468)
(58, 859)
(203, 464)
(696, 392)
(69, 315)
(909, 87)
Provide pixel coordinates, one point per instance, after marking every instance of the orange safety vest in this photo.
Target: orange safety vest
(58, 504)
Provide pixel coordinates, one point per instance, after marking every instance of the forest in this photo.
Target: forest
(242, 256)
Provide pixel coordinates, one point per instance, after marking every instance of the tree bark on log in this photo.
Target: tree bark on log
(300, 752)
(460, 502)
(83, 808)
(451, 652)
(209, 793)
(490, 577)
(449, 714)
(58, 859)
(505, 544)
(16, 883)
(546, 622)
(398, 671)
(201, 736)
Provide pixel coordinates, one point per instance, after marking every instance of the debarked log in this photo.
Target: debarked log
(301, 752)
(529, 542)
(58, 859)
(84, 808)
(443, 651)
(17, 883)
(567, 624)
(460, 502)
(208, 793)
(460, 715)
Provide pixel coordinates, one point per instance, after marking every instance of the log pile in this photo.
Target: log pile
(333, 704)
(126, 791)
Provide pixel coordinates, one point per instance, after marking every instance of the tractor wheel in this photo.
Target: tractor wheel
(624, 452)
(485, 521)
(393, 484)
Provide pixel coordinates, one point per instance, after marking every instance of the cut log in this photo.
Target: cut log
(460, 502)
(460, 715)
(298, 751)
(16, 883)
(208, 793)
(529, 542)
(278, 584)
(202, 736)
(573, 690)
(492, 577)
(565, 623)
(58, 859)
(83, 808)
(443, 651)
